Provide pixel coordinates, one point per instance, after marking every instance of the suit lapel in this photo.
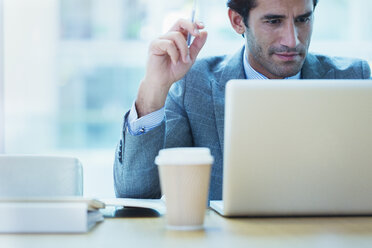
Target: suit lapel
(233, 69)
(313, 69)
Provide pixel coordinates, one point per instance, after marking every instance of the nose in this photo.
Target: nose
(290, 36)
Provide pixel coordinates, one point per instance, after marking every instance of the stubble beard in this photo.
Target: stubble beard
(267, 62)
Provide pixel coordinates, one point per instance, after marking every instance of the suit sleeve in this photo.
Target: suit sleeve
(135, 173)
(366, 70)
(139, 126)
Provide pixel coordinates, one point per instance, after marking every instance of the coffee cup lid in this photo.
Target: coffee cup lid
(184, 156)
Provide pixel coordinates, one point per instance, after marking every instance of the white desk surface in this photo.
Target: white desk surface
(218, 232)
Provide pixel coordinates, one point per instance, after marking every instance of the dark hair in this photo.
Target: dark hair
(242, 7)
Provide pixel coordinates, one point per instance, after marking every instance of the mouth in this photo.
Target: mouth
(287, 56)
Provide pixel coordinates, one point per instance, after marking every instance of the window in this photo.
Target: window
(2, 129)
(72, 67)
(343, 28)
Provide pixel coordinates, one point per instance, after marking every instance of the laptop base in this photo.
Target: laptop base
(217, 206)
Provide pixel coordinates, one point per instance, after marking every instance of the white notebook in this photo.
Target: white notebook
(49, 215)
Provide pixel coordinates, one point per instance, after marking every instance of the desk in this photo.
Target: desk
(219, 232)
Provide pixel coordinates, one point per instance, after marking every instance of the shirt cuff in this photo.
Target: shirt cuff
(145, 123)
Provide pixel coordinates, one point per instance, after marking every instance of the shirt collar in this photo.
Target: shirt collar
(251, 73)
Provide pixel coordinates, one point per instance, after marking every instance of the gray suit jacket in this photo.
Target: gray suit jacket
(194, 116)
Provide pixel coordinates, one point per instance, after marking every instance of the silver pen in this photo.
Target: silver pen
(192, 20)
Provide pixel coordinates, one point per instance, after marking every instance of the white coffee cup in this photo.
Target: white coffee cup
(184, 177)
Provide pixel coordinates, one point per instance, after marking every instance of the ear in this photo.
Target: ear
(237, 21)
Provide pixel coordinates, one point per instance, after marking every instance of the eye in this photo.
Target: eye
(303, 19)
(273, 21)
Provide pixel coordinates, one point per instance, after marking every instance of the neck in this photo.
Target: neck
(259, 68)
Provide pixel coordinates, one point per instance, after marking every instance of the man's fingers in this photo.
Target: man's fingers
(197, 45)
(199, 25)
(185, 26)
(180, 42)
(174, 42)
(163, 47)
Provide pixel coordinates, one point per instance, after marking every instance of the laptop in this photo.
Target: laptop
(297, 148)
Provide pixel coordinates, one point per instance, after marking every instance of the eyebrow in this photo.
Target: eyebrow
(274, 16)
(308, 14)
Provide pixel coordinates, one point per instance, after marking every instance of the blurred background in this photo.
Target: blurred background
(70, 69)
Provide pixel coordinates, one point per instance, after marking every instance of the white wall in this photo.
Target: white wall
(30, 45)
(2, 126)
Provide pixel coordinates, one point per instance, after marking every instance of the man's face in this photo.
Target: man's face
(278, 36)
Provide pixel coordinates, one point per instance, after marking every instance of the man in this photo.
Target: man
(190, 112)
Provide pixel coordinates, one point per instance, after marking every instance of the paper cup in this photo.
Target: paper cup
(184, 177)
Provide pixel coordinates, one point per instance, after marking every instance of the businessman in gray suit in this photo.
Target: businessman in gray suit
(180, 102)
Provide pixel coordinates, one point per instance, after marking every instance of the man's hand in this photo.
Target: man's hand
(169, 60)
